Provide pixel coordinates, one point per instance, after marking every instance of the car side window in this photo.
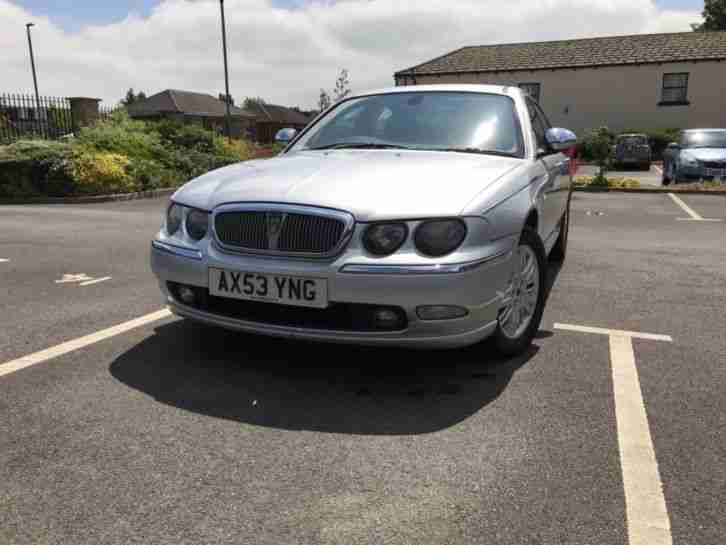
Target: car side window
(538, 125)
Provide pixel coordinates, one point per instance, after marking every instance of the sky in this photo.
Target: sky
(284, 50)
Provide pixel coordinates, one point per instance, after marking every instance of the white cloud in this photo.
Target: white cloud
(287, 55)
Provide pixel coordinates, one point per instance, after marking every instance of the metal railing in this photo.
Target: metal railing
(21, 116)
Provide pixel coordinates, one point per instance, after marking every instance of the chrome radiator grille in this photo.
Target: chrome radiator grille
(714, 164)
(281, 230)
(243, 229)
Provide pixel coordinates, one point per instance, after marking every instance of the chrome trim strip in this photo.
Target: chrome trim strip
(181, 251)
(346, 217)
(452, 268)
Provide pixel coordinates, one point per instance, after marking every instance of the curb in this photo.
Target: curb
(152, 194)
(720, 192)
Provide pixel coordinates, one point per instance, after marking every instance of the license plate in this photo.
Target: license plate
(716, 172)
(271, 288)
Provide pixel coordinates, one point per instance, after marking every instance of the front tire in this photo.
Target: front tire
(519, 318)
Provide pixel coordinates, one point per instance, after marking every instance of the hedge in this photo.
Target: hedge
(117, 155)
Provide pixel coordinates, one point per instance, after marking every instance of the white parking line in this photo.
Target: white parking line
(75, 344)
(3, 260)
(618, 332)
(95, 281)
(695, 216)
(646, 511)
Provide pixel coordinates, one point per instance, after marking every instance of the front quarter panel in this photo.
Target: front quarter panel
(506, 204)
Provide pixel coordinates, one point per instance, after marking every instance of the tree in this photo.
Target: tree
(342, 86)
(131, 97)
(599, 143)
(324, 100)
(251, 102)
(714, 15)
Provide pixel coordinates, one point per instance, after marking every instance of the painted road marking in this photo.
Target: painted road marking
(3, 260)
(82, 279)
(96, 281)
(618, 332)
(688, 210)
(75, 344)
(646, 511)
(69, 278)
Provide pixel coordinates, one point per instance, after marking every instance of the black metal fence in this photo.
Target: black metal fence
(21, 116)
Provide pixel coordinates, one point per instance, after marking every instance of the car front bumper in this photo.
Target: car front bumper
(476, 285)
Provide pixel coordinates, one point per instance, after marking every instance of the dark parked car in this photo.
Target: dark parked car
(632, 149)
(700, 154)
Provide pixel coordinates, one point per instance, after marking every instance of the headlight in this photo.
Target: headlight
(384, 238)
(174, 215)
(436, 238)
(197, 224)
(689, 160)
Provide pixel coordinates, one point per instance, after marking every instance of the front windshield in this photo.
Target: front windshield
(436, 120)
(704, 139)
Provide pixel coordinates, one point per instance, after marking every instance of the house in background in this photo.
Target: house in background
(189, 107)
(270, 118)
(646, 81)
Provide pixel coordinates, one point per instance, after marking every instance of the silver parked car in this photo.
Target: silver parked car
(414, 216)
(700, 154)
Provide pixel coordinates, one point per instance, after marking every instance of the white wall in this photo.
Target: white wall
(620, 97)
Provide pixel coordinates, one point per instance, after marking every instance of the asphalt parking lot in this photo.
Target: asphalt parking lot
(171, 432)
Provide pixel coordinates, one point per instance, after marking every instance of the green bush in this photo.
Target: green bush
(602, 181)
(153, 174)
(35, 168)
(122, 135)
(592, 145)
(117, 155)
(174, 134)
(97, 172)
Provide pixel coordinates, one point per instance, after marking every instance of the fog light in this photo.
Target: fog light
(187, 295)
(441, 312)
(386, 318)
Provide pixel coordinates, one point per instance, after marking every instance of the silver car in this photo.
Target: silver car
(414, 216)
(699, 155)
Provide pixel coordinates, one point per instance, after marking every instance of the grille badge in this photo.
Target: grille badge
(275, 222)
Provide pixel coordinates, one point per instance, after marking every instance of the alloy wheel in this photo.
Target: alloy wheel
(520, 299)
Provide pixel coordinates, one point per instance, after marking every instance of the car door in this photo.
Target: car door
(554, 191)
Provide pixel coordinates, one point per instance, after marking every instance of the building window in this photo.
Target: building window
(675, 89)
(532, 89)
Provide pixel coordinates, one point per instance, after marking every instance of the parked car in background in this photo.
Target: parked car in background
(700, 154)
(632, 150)
(414, 216)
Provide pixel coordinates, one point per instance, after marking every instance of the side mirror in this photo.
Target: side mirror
(283, 136)
(560, 139)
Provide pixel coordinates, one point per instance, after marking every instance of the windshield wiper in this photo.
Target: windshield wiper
(359, 145)
(477, 150)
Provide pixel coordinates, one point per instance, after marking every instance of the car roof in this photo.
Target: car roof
(506, 90)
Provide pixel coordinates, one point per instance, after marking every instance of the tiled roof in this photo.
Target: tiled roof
(183, 102)
(276, 114)
(606, 51)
